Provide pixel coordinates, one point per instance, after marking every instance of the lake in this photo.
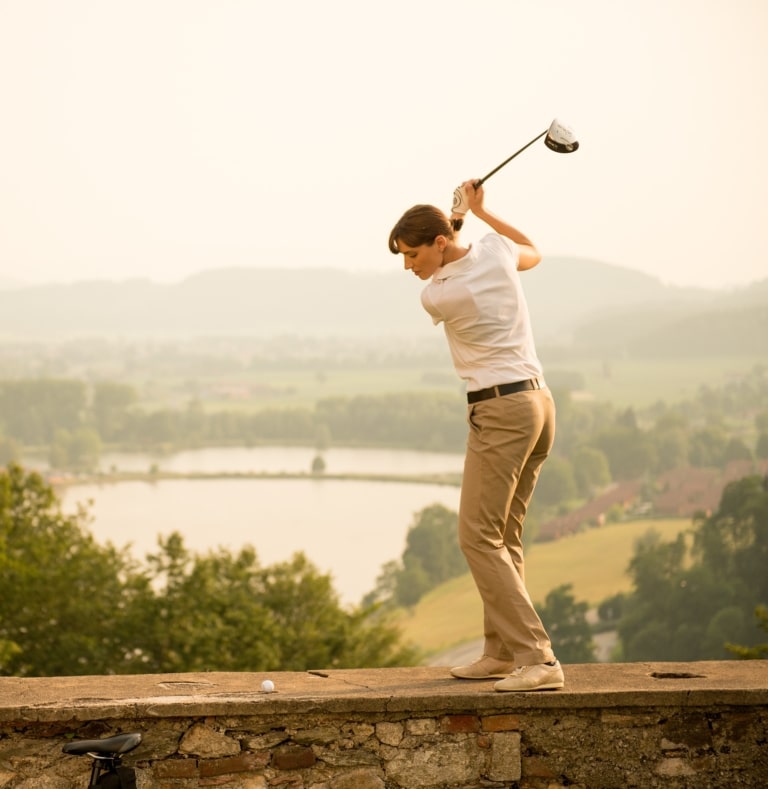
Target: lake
(292, 460)
(347, 528)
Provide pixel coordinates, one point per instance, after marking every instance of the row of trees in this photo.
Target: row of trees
(71, 606)
(76, 421)
(595, 444)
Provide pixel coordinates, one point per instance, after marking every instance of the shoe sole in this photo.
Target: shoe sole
(546, 686)
(500, 675)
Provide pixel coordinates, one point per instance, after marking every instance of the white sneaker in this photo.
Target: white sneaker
(484, 667)
(539, 677)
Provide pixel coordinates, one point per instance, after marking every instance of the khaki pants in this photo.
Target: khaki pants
(509, 439)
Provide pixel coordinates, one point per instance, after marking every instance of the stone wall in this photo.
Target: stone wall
(633, 725)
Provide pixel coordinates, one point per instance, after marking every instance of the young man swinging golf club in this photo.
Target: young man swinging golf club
(475, 292)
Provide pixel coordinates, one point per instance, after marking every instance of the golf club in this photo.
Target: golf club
(558, 137)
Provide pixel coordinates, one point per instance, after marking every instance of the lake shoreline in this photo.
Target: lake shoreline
(116, 477)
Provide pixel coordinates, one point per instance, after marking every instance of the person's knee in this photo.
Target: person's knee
(479, 539)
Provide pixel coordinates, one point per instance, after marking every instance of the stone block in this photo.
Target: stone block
(389, 733)
(175, 768)
(358, 779)
(453, 762)
(242, 763)
(505, 763)
(204, 741)
(420, 727)
(293, 757)
(500, 723)
(674, 768)
(460, 723)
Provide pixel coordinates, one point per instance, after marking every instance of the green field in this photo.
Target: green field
(294, 388)
(621, 382)
(594, 562)
(640, 383)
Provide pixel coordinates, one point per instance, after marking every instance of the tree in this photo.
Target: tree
(222, 611)
(9, 451)
(431, 556)
(194, 424)
(590, 470)
(556, 483)
(707, 447)
(736, 449)
(629, 450)
(650, 612)
(733, 542)
(76, 451)
(99, 612)
(385, 591)
(109, 405)
(611, 609)
(690, 603)
(759, 651)
(761, 447)
(63, 598)
(432, 540)
(670, 436)
(33, 410)
(566, 622)
(412, 582)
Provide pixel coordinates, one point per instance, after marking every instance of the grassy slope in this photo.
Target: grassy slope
(594, 561)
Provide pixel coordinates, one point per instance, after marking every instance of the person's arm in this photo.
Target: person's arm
(529, 255)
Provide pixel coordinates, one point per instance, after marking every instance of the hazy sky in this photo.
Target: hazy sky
(158, 138)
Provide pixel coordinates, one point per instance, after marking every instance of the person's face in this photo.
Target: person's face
(425, 259)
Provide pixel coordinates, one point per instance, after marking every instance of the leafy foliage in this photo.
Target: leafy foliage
(566, 623)
(431, 556)
(71, 606)
(759, 651)
(692, 598)
(34, 409)
(63, 598)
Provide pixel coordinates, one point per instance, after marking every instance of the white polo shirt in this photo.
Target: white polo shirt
(480, 301)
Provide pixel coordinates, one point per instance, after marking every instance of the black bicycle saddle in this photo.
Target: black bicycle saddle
(109, 746)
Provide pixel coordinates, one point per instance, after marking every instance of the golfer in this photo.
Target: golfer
(475, 292)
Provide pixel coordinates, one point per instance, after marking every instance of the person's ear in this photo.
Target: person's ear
(441, 242)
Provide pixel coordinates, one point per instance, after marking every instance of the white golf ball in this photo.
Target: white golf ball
(267, 686)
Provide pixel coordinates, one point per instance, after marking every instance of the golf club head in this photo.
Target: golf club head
(561, 138)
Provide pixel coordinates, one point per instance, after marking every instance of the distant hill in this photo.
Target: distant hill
(565, 292)
(665, 333)
(573, 301)
(8, 284)
(263, 302)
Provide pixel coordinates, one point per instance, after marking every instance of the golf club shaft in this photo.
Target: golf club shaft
(506, 161)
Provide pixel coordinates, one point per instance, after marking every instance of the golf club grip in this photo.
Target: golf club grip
(507, 161)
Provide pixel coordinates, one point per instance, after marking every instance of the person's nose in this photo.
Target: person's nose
(407, 264)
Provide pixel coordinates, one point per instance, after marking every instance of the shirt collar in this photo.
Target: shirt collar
(455, 266)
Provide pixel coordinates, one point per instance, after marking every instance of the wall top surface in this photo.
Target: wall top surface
(388, 690)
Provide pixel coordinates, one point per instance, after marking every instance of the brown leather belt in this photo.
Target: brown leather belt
(503, 389)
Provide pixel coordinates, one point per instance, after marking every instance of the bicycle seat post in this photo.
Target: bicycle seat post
(96, 768)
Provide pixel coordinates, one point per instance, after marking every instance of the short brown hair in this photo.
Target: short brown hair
(419, 225)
